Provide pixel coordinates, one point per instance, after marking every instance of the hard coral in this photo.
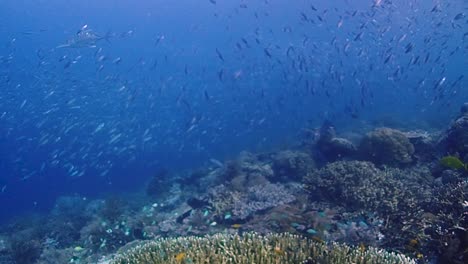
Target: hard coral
(53, 255)
(103, 236)
(333, 147)
(261, 197)
(355, 184)
(412, 206)
(447, 229)
(157, 186)
(425, 148)
(291, 165)
(247, 170)
(455, 139)
(387, 146)
(113, 208)
(255, 199)
(253, 248)
(24, 251)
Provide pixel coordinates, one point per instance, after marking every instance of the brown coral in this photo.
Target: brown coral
(387, 146)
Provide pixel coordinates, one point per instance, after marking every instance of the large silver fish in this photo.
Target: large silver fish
(84, 38)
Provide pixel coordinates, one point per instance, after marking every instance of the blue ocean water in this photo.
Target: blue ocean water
(159, 74)
(96, 96)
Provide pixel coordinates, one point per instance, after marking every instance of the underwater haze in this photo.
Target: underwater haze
(98, 97)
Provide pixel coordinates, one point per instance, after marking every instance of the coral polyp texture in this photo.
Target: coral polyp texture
(253, 248)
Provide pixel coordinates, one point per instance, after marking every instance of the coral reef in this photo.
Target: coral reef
(413, 206)
(409, 196)
(291, 165)
(113, 208)
(424, 145)
(338, 148)
(247, 170)
(445, 225)
(333, 147)
(354, 184)
(455, 139)
(25, 249)
(53, 255)
(157, 185)
(253, 248)
(256, 199)
(387, 146)
(450, 177)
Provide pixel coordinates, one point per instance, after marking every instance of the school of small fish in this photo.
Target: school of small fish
(88, 110)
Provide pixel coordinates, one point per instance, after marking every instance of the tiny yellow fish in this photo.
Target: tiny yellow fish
(278, 251)
(413, 243)
(419, 256)
(180, 257)
(78, 248)
(318, 239)
(362, 247)
(236, 226)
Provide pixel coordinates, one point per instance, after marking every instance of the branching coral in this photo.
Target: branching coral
(413, 208)
(355, 184)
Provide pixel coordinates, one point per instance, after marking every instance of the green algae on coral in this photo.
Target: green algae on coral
(253, 248)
